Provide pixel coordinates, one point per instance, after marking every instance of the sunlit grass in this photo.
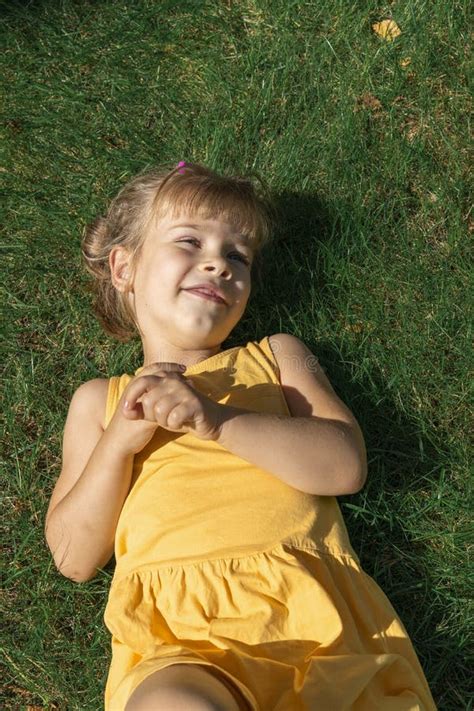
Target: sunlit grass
(367, 155)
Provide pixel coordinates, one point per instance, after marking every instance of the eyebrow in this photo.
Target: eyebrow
(240, 238)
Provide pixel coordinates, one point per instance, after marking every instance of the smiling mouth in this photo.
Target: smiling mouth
(205, 295)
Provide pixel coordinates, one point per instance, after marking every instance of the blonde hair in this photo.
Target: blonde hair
(194, 190)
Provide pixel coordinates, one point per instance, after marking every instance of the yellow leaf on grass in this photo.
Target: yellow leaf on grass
(405, 62)
(355, 327)
(387, 29)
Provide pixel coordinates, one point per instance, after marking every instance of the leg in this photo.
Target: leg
(182, 687)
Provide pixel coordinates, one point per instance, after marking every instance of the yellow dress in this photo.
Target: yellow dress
(219, 562)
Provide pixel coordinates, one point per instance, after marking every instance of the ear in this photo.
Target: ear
(120, 268)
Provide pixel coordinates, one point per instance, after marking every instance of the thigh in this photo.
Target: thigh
(187, 683)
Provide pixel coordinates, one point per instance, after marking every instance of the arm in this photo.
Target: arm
(89, 494)
(311, 454)
(320, 447)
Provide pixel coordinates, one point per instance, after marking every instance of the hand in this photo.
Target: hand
(166, 398)
(131, 437)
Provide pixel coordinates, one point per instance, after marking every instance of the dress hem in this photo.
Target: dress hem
(149, 666)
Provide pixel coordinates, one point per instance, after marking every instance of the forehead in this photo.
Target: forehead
(209, 226)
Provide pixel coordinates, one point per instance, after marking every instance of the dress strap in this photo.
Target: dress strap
(267, 357)
(113, 396)
(266, 348)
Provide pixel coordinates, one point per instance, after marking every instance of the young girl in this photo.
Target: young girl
(212, 474)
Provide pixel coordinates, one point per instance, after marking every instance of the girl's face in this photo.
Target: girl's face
(178, 254)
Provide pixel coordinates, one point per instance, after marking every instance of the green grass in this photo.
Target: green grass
(369, 268)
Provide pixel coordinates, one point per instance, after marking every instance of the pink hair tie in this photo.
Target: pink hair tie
(181, 164)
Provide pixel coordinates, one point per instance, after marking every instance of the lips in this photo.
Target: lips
(208, 290)
(207, 295)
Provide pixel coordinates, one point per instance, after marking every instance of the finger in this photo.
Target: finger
(135, 414)
(138, 388)
(159, 410)
(168, 366)
(189, 381)
(177, 417)
(144, 383)
(146, 393)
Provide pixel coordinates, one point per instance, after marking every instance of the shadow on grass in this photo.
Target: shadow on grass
(402, 462)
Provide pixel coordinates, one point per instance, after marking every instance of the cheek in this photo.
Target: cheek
(164, 266)
(244, 295)
(248, 283)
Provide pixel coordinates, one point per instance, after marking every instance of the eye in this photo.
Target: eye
(189, 239)
(240, 256)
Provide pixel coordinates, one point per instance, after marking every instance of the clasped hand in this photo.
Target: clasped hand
(168, 398)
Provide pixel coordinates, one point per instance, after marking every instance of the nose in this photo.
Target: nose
(216, 265)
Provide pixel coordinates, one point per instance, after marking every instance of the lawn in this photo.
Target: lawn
(363, 140)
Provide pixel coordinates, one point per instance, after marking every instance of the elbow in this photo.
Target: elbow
(59, 548)
(357, 477)
(73, 572)
(357, 480)
(75, 575)
(79, 579)
(70, 571)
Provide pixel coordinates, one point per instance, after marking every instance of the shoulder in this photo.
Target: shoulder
(91, 396)
(292, 355)
(284, 345)
(307, 390)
